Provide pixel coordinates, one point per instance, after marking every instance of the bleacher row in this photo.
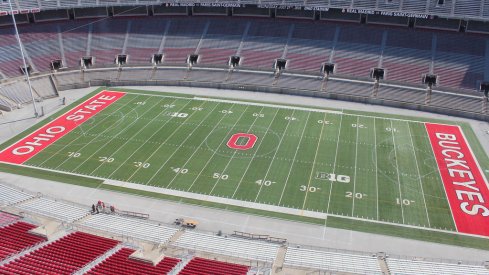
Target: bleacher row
(459, 59)
(77, 250)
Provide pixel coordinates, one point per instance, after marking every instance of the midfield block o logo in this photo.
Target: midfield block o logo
(250, 141)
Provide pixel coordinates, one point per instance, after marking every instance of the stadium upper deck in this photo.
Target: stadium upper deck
(474, 9)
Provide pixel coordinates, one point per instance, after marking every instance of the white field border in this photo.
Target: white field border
(240, 203)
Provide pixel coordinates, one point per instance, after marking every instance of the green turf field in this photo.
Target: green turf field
(309, 161)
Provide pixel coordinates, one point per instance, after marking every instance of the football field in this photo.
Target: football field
(306, 161)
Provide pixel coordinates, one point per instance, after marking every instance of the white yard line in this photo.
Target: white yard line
(293, 162)
(376, 168)
(171, 135)
(215, 151)
(232, 157)
(334, 168)
(419, 175)
(144, 143)
(398, 175)
(196, 149)
(112, 138)
(274, 155)
(355, 172)
(313, 162)
(99, 122)
(254, 155)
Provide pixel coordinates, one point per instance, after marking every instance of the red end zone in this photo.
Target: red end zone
(34, 143)
(465, 185)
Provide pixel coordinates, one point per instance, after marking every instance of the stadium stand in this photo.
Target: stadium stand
(203, 266)
(120, 264)
(239, 248)
(9, 195)
(6, 219)
(333, 261)
(54, 209)
(140, 229)
(15, 238)
(63, 256)
(411, 267)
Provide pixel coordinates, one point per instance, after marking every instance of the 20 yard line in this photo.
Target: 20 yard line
(275, 154)
(254, 154)
(419, 175)
(92, 126)
(397, 168)
(355, 171)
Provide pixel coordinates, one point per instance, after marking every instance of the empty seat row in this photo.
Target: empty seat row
(201, 266)
(15, 238)
(63, 256)
(412, 267)
(9, 195)
(120, 264)
(55, 209)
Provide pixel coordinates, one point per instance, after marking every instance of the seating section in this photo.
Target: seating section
(120, 264)
(200, 266)
(15, 238)
(240, 248)
(6, 219)
(54, 209)
(414, 267)
(140, 229)
(10, 195)
(457, 58)
(63, 256)
(332, 261)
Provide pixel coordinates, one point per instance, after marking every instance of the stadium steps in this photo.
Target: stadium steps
(278, 264)
(181, 265)
(383, 265)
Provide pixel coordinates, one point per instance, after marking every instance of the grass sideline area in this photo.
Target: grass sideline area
(255, 112)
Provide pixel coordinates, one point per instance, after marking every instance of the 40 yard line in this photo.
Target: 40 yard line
(397, 168)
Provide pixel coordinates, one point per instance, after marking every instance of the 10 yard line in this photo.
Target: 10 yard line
(420, 181)
(397, 168)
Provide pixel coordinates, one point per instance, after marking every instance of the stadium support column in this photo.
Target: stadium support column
(430, 80)
(36, 114)
(484, 89)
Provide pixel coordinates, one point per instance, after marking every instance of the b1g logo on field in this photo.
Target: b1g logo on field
(250, 141)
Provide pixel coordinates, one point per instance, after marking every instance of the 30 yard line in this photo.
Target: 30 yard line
(313, 162)
(101, 134)
(275, 154)
(126, 142)
(147, 139)
(69, 143)
(159, 147)
(231, 158)
(419, 175)
(397, 168)
(254, 155)
(215, 151)
(292, 164)
(355, 171)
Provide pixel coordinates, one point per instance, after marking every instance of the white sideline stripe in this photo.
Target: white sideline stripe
(268, 105)
(252, 205)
